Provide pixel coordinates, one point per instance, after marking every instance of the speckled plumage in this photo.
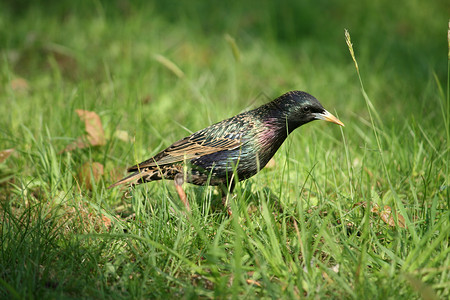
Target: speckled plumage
(244, 143)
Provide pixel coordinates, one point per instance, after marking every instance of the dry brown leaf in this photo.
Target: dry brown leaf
(361, 203)
(254, 282)
(4, 154)
(123, 136)
(401, 221)
(95, 133)
(94, 128)
(19, 85)
(327, 278)
(80, 143)
(387, 216)
(375, 208)
(90, 172)
(106, 221)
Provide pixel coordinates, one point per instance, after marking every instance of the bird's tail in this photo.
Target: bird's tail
(130, 178)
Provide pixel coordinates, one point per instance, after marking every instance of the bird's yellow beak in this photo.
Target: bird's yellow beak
(326, 116)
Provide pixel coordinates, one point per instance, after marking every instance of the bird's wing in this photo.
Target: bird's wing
(201, 143)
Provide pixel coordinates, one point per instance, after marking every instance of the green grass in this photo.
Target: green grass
(305, 227)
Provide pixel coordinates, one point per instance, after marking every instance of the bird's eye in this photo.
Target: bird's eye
(306, 109)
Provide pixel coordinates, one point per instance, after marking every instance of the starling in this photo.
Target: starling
(233, 149)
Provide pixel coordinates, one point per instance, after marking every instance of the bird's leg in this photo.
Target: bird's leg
(228, 190)
(179, 180)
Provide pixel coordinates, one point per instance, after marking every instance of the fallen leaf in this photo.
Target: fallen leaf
(80, 143)
(19, 85)
(123, 136)
(90, 173)
(327, 278)
(106, 221)
(387, 216)
(4, 154)
(361, 203)
(254, 282)
(94, 128)
(335, 268)
(95, 133)
(375, 208)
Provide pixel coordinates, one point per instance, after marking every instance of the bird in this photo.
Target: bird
(232, 150)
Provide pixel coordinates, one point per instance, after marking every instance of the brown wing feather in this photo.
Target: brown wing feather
(188, 148)
(225, 135)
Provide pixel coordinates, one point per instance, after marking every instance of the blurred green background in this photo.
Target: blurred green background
(404, 41)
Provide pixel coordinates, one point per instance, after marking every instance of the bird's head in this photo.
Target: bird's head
(300, 108)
